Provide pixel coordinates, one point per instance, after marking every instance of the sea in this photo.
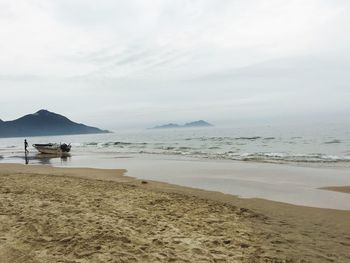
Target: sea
(316, 144)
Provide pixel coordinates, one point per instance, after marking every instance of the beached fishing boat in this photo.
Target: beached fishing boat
(53, 148)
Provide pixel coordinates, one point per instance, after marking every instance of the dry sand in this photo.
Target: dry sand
(88, 215)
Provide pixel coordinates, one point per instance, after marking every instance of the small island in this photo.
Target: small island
(194, 124)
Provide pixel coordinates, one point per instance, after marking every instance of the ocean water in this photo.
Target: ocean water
(304, 144)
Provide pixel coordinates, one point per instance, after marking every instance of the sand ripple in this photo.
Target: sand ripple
(45, 218)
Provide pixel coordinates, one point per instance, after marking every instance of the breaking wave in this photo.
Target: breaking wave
(244, 148)
(287, 157)
(332, 141)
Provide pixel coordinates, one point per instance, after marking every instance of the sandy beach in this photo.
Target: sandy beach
(91, 215)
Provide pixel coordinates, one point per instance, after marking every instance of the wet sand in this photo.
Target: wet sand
(342, 189)
(298, 185)
(90, 215)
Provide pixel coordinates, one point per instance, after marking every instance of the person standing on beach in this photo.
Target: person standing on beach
(25, 146)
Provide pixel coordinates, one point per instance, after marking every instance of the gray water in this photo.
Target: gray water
(308, 144)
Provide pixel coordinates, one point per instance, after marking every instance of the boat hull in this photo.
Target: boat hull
(56, 149)
(49, 151)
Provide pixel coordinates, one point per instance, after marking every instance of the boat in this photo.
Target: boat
(53, 148)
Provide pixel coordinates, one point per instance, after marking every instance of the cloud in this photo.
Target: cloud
(163, 58)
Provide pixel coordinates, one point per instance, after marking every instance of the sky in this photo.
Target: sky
(139, 63)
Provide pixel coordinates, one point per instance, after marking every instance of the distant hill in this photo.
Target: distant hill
(44, 123)
(193, 124)
(167, 126)
(199, 123)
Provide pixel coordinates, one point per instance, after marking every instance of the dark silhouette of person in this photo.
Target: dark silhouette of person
(26, 151)
(25, 146)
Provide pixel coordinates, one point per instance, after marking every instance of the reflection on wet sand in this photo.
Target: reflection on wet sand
(46, 158)
(26, 157)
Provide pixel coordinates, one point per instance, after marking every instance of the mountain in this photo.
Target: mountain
(44, 123)
(199, 123)
(168, 126)
(194, 124)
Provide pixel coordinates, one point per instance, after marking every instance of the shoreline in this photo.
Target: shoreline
(121, 175)
(272, 231)
(277, 182)
(342, 189)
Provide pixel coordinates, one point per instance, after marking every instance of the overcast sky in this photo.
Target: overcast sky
(137, 63)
